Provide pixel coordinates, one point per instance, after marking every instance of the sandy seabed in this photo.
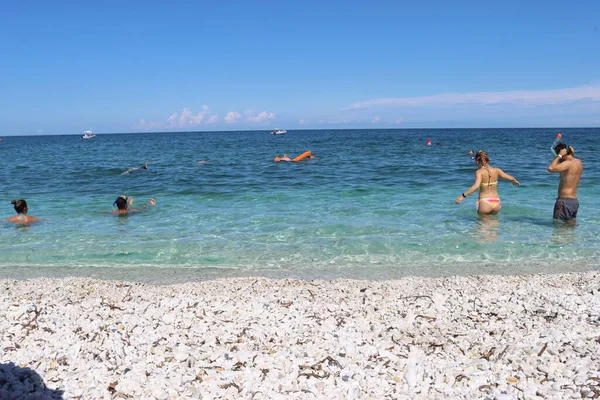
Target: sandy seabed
(478, 337)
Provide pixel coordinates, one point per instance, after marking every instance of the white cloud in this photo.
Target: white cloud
(375, 120)
(398, 121)
(515, 97)
(187, 118)
(263, 116)
(232, 117)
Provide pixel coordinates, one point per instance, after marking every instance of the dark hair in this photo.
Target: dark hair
(121, 203)
(482, 157)
(561, 146)
(20, 205)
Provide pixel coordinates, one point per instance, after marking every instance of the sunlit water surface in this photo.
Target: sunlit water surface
(375, 204)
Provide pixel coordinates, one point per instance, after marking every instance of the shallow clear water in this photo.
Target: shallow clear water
(375, 204)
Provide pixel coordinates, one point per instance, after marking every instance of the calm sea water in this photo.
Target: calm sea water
(375, 204)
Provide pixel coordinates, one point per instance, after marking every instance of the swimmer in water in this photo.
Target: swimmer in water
(302, 156)
(145, 166)
(284, 157)
(21, 218)
(123, 203)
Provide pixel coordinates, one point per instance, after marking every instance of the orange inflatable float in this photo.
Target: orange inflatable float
(302, 156)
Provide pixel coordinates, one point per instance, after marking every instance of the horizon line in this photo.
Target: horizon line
(308, 130)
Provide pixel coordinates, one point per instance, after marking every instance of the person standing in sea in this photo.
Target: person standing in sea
(570, 168)
(486, 181)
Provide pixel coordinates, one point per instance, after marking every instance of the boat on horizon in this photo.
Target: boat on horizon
(278, 131)
(87, 135)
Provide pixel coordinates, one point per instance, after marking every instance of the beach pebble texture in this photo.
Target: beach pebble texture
(478, 337)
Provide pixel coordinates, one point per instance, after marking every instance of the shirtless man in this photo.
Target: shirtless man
(570, 168)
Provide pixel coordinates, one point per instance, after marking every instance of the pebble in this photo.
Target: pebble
(492, 337)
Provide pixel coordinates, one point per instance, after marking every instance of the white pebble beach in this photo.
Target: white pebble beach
(477, 337)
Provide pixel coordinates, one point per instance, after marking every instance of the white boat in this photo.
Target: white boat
(278, 131)
(87, 135)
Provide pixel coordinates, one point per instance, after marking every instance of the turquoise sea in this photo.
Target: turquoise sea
(375, 204)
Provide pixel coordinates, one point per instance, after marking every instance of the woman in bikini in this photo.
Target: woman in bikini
(486, 180)
(21, 218)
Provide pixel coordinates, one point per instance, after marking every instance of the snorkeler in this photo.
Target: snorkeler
(145, 166)
(124, 202)
(570, 168)
(21, 217)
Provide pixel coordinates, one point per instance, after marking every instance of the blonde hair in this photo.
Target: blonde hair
(482, 157)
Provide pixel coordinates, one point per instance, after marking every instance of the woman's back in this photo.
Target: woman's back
(486, 182)
(489, 181)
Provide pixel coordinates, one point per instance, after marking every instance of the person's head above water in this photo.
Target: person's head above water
(20, 206)
(121, 202)
(481, 158)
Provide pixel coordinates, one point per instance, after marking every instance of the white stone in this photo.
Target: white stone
(198, 339)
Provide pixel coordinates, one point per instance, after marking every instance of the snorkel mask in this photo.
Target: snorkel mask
(118, 200)
(567, 147)
(556, 143)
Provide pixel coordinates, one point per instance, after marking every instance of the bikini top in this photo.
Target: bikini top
(489, 183)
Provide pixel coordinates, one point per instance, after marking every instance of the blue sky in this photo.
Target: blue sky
(141, 66)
